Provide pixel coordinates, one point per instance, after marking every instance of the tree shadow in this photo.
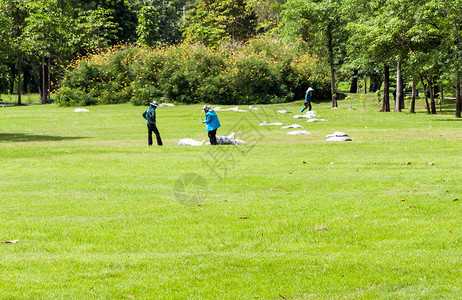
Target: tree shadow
(22, 137)
(448, 120)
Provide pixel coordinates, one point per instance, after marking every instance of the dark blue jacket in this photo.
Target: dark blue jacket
(150, 115)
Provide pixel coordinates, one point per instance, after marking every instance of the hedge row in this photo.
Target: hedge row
(263, 71)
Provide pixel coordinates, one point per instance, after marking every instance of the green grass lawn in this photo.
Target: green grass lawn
(25, 99)
(99, 214)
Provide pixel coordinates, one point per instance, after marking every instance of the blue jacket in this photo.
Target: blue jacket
(150, 115)
(211, 120)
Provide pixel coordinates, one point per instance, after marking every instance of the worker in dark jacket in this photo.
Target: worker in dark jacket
(307, 99)
(150, 116)
(212, 123)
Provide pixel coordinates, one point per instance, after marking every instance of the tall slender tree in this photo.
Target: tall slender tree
(323, 26)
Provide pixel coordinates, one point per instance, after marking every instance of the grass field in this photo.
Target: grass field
(25, 99)
(99, 214)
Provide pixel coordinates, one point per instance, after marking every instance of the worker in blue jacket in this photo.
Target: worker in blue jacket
(150, 115)
(212, 123)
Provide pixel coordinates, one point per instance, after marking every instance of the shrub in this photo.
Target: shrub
(262, 71)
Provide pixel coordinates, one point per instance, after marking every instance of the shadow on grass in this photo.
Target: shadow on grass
(22, 137)
(448, 120)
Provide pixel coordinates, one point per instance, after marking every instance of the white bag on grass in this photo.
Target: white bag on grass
(305, 116)
(292, 126)
(316, 120)
(298, 132)
(337, 133)
(228, 140)
(269, 124)
(190, 142)
(338, 139)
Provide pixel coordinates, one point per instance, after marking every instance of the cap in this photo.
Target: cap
(207, 108)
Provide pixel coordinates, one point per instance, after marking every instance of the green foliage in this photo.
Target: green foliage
(148, 26)
(95, 29)
(211, 22)
(99, 79)
(264, 71)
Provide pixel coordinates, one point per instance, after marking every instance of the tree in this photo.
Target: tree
(14, 14)
(322, 25)
(442, 20)
(166, 22)
(148, 26)
(47, 36)
(216, 21)
(267, 13)
(381, 37)
(95, 29)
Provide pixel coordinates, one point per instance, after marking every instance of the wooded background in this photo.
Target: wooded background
(416, 42)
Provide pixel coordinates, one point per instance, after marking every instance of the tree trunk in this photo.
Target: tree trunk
(425, 93)
(13, 77)
(414, 88)
(19, 77)
(365, 84)
(48, 81)
(441, 98)
(386, 89)
(43, 85)
(398, 87)
(458, 98)
(401, 97)
(432, 94)
(354, 82)
(332, 69)
(458, 77)
(375, 83)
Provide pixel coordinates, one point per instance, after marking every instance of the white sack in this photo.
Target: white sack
(316, 120)
(298, 132)
(305, 116)
(268, 124)
(190, 142)
(338, 139)
(292, 126)
(337, 133)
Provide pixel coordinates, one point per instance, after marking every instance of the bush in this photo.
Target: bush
(262, 71)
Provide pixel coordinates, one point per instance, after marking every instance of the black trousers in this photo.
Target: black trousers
(212, 137)
(307, 105)
(153, 128)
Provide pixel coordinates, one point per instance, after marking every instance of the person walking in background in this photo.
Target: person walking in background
(150, 115)
(307, 99)
(212, 123)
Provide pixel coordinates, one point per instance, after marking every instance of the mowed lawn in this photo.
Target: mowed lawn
(99, 214)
